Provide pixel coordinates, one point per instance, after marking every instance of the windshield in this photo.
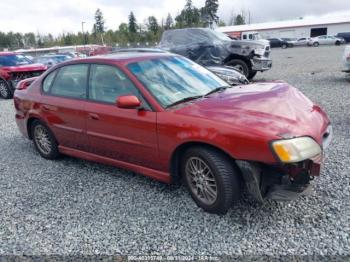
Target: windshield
(171, 79)
(218, 35)
(14, 60)
(257, 36)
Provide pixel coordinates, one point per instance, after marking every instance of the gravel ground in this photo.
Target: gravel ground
(72, 206)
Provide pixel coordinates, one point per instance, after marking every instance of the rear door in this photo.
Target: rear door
(62, 104)
(128, 135)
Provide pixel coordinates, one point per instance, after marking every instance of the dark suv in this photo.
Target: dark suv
(345, 35)
(278, 42)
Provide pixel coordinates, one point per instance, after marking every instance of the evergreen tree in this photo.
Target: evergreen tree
(153, 25)
(190, 16)
(169, 22)
(239, 20)
(209, 12)
(132, 23)
(99, 26)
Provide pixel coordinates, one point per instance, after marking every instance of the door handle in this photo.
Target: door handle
(94, 116)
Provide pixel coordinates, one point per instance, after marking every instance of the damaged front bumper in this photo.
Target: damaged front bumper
(279, 182)
(283, 182)
(261, 64)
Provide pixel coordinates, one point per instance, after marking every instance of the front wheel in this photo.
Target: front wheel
(211, 178)
(252, 75)
(5, 91)
(337, 43)
(241, 66)
(316, 44)
(284, 46)
(44, 141)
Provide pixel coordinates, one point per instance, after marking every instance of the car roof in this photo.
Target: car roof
(122, 56)
(7, 53)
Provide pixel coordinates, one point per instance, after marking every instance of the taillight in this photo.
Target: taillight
(24, 84)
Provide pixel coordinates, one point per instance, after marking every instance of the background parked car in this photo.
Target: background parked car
(290, 41)
(14, 68)
(346, 59)
(51, 60)
(344, 35)
(278, 42)
(303, 41)
(325, 40)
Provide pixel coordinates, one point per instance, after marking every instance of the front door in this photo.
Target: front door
(128, 135)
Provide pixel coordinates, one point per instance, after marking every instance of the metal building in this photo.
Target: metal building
(308, 27)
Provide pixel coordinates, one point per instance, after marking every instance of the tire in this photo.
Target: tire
(252, 75)
(284, 46)
(337, 43)
(44, 141)
(316, 44)
(241, 66)
(222, 178)
(5, 90)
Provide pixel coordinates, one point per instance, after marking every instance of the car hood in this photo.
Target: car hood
(272, 109)
(25, 68)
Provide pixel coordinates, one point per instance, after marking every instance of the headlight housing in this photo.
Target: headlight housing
(296, 149)
(259, 51)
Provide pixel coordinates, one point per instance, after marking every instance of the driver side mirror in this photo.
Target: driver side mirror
(128, 102)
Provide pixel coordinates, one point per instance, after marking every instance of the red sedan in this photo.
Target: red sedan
(168, 118)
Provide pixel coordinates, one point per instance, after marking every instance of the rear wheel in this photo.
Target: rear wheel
(316, 44)
(284, 46)
(5, 91)
(44, 141)
(211, 178)
(241, 66)
(337, 43)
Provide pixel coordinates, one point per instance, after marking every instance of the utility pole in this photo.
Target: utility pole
(82, 29)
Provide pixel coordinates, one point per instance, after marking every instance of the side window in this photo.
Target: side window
(250, 36)
(108, 82)
(244, 36)
(48, 81)
(71, 81)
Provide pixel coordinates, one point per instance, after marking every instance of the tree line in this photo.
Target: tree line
(132, 33)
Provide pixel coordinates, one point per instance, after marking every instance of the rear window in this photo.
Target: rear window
(71, 81)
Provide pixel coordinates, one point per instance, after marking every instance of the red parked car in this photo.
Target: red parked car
(168, 118)
(14, 68)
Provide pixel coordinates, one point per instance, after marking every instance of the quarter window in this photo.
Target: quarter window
(108, 82)
(71, 81)
(48, 81)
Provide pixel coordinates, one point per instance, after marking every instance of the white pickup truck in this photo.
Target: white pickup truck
(346, 59)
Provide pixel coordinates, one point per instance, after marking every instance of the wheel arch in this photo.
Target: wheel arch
(175, 159)
(30, 121)
(235, 56)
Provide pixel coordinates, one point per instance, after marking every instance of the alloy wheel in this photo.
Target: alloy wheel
(42, 139)
(201, 180)
(3, 89)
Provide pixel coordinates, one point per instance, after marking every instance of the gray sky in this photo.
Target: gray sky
(46, 16)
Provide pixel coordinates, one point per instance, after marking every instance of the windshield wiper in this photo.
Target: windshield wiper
(183, 100)
(218, 89)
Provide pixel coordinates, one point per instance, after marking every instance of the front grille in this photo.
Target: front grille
(18, 76)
